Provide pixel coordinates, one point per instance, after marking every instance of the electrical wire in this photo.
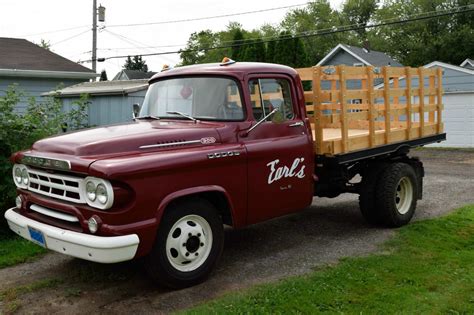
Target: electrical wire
(353, 27)
(56, 31)
(69, 38)
(208, 17)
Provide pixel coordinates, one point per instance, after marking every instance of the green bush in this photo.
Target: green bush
(20, 131)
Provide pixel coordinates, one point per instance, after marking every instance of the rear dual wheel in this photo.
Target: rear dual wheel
(188, 244)
(389, 195)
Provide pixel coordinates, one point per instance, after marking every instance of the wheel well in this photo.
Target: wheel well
(216, 198)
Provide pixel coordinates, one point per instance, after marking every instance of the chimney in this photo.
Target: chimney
(367, 46)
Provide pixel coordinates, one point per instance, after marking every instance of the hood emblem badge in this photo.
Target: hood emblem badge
(208, 140)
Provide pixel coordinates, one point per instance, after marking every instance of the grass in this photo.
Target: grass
(15, 250)
(427, 268)
(9, 297)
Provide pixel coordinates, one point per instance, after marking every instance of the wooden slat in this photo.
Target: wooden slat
(421, 98)
(370, 101)
(316, 108)
(386, 96)
(431, 116)
(439, 96)
(408, 77)
(343, 101)
(306, 74)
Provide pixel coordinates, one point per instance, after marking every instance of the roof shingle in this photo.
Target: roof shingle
(20, 54)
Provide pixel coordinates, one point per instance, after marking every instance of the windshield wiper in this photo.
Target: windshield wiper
(148, 117)
(184, 115)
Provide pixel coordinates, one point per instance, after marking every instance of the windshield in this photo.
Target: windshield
(199, 97)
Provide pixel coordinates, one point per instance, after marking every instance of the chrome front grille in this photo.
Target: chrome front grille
(62, 187)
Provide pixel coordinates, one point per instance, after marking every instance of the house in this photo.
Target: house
(36, 70)
(110, 102)
(356, 56)
(468, 64)
(133, 75)
(458, 100)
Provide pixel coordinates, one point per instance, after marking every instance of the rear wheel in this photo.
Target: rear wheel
(396, 194)
(188, 244)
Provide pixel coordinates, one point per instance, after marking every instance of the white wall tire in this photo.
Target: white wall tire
(188, 245)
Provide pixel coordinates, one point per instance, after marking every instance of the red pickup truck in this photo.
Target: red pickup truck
(223, 144)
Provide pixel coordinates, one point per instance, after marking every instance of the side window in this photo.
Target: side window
(268, 94)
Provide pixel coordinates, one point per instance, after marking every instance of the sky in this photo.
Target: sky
(36, 20)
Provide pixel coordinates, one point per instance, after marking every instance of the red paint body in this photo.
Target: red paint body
(145, 181)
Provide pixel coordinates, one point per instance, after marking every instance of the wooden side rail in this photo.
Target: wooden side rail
(354, 108)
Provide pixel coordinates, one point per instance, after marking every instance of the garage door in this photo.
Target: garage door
(458, 117)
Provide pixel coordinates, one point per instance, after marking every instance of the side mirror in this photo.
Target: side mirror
(136, 110)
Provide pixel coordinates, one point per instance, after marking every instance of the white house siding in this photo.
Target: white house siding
(32, 87)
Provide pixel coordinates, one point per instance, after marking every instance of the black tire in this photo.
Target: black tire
(367, 204)
(157, 263)
(396, 211)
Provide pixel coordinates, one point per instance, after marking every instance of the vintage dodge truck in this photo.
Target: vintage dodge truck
(227, 144)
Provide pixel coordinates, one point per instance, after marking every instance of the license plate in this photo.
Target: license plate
(37, 236)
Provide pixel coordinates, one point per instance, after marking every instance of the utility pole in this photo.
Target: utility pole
(94, 35)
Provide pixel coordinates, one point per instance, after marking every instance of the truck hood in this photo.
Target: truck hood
(126, 138)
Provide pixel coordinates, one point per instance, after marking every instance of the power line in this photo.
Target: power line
(413, 18)
(209, 17)
(69, 38)
(57, 31)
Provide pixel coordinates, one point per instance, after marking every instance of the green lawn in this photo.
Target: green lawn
(427, 268)
(14, 250)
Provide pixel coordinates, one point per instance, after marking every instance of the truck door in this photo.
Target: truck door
(280, 154)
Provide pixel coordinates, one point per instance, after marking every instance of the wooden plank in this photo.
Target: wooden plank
(421, 98)
(306, 74)
(370, 101)
(396, 99)
(431, 98)
(343, 101)
(317, 108)
(408, 114)
(308, 96)
(386, 97)
(439, 96)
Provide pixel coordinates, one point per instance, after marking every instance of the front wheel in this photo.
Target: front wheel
(188, 244)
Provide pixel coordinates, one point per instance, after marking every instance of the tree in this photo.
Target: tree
(447, 38)
(254, 52)
(137, 63)
(359, 12)
(290, 51)
(45, 44)
(103, 76)
(237, 49)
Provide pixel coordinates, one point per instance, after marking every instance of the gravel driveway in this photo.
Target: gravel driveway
(291, 245)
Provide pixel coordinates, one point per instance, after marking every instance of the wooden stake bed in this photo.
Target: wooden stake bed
(358, 108)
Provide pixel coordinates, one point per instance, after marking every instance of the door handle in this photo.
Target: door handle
(297, 124)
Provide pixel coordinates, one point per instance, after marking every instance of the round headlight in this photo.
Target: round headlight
(101, 192)
(24, 177)
(91, 191)
(18, 175)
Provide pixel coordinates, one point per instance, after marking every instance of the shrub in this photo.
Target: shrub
(20, 131)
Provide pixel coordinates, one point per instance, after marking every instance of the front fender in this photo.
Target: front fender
(193, 191)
